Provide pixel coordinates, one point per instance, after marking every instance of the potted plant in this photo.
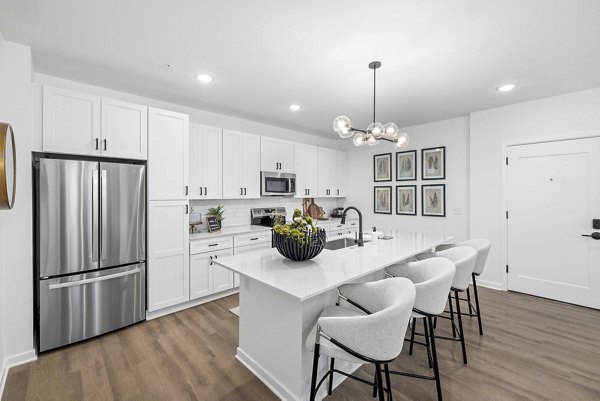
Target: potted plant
(217, 212)
(299, 240)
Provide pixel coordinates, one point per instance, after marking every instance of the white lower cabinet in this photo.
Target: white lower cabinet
(205, 277)
(238, 250)
(168, 254)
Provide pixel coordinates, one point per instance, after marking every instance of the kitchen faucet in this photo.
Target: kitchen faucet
(360, 228)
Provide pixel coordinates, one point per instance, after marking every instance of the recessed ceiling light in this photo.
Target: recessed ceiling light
(205, 79)
(506, 87)
(295, 107)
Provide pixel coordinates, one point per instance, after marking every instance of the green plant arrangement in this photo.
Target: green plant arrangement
(300, 239)
(217, 212)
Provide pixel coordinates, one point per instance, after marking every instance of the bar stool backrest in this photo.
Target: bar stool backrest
(482, 246)
(464, 258)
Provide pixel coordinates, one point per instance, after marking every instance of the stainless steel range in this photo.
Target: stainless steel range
(267, 217)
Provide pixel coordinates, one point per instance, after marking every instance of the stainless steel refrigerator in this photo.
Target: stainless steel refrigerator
(90, 234)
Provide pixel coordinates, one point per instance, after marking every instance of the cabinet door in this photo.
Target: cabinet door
(238, 250)
(124, 130)
(212, 162)
(200, 275)
(276, 155)
(168, 254)
(195, 160)
(250, 166)
(327, 166)
(306, 166)
(168, 136)
(70, 122)
(232, 171)
(341, 168)
(222, 278)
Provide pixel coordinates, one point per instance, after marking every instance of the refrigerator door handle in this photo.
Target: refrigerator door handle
(104, 217)
(93, 280)
(95, 215)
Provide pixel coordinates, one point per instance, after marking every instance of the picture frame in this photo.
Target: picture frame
(433, 200)
(406, 200)
(213, 224)
(433, 163)
(406, 165)
(382, 167)
(382, 199)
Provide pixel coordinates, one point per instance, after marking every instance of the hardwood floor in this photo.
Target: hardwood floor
(532, 349)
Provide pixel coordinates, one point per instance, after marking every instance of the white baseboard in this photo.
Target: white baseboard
(11, 362)
(490, 284)
(280, 390)
(190, 304)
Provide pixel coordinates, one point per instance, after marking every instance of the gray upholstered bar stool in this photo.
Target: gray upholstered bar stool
(365, 333)
(464, 258)
(433, 279)
(482, 246)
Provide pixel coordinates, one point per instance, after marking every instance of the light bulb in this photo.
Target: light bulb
(402, 140)
(376, 129)
(205, 79)
(359, 139)
(390, 130)
(343, 126)
(372, 141)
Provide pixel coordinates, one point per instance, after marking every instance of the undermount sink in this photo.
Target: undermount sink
(340, 243)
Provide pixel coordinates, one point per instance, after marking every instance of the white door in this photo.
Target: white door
(327, 166)
(70, 122)
(124, 130)
(250, 166)
(222, 278)
(553, 195)
(168, 254)
(200, 275)
(212, 162)
(306, 166)
(168, 136)
(276, 155)
(341, 168)
(232, 153)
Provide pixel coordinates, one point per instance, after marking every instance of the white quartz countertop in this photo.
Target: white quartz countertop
(229, 231)
(330, 269)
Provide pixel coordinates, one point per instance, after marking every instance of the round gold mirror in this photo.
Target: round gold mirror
(8, 167)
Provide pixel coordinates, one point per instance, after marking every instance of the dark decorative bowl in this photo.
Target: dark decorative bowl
(292, 250)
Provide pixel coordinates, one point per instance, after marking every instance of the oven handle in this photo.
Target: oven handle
(93, 280)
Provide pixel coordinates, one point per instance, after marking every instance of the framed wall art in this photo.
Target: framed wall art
(406, 200)
(433, 163)
(382, 200)
(433, 200)
(382, 167)
(406, 165)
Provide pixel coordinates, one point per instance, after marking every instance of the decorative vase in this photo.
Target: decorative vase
(291, 249)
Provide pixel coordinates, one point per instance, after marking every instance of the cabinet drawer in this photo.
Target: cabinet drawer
(352, 224)
(211, 244)
(337, 226)
(252, 238)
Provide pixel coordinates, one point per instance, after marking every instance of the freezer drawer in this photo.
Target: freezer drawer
(78, 307)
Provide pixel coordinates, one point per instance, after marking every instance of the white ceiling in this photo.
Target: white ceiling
(440, 58)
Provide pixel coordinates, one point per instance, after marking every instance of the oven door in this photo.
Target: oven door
(277, 184)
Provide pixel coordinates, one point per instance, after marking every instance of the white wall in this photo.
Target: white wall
(16, 225)
(566, 116)
(2, 251)
(454, 134)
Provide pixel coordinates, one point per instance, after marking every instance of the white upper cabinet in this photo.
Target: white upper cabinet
(124, 130)
(168, 153)
(341, 169)
(306, 167)
(81, 124)
(70, 122)
(276, 155)
(206, 162)
(327, 172)
(241, 165)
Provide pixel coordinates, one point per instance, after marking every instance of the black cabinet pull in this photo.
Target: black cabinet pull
(186, 189)
(338, 191)
(241, 191)
(308, 190)
(213, 244)
(205, 191)
(244, 191)
(253, 239)
(187, 209)
(200, 190)
(210, 260)
(97, 144)
(104, 144)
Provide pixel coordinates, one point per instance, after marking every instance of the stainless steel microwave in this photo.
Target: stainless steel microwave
(277, 184)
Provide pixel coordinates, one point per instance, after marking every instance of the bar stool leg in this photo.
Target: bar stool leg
(436, 371)
(412, 335)
(313, 381)
(379, 382)
(330, 390)
(426, 331)
(469, 302)
(451, 314)
(477, 305)
(460, 327)
(388, 382)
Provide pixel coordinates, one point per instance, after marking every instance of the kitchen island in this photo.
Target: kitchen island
(280, 301)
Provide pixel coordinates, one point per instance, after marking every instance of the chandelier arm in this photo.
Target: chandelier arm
(359, 130)
(374, 90)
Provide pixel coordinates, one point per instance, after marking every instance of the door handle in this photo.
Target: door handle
(104, 216)
(95, 214)
(594, 235)
(93, 280)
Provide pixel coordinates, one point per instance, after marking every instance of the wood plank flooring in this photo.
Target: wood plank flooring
(532, 349)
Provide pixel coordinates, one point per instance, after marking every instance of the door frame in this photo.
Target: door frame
(506, 145)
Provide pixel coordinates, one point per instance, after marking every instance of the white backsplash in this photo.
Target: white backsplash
(237, 211)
